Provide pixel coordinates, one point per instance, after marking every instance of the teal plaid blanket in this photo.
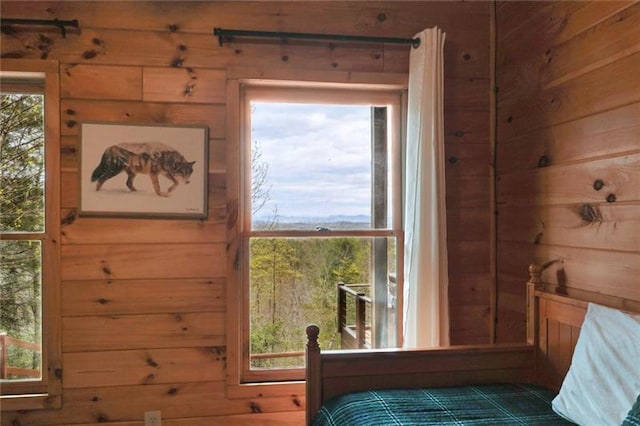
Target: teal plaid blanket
(499, 404)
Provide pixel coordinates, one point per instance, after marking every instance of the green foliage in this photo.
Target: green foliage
(293, 283)
(21, 163)
(21, 210)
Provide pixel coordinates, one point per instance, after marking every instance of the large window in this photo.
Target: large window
(320, 223)
(29, 234)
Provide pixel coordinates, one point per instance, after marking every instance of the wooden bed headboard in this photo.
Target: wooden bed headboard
(553, 325)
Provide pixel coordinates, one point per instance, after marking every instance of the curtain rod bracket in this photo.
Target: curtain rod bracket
(228, 35)
(61, 25)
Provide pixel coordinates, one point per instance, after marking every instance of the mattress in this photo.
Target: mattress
(497, 404)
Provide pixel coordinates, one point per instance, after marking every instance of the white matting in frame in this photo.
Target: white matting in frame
(143, 170)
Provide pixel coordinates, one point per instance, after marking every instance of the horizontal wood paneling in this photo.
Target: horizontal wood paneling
(568, 152)
(607, 226)
(574, 183)
(177, 400)
(144, 367)
(113, 332)
(184, 85)
(118, 297)
(614, 38)
(88, 82)
(131, 286)
(587, 94)
(75, 112)
(83, 230)
(589, 137)
(142, 261)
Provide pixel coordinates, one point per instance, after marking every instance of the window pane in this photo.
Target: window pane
(22, 163)
(311, 166)
(20, 308)
(295, 282)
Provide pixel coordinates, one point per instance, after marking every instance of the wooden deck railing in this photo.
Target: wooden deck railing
(5, 369)
(355, 333)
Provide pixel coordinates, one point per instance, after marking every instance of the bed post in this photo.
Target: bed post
(313, 373)
(534, 283)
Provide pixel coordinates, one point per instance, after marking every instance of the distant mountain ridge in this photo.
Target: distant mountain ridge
(360, 218)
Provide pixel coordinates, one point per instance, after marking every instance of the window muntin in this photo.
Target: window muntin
(321, 174)
(33, 230)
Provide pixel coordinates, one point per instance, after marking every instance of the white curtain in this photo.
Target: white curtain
(426, 304)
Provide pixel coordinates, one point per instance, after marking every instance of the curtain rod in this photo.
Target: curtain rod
(229, 34)
(52, 22)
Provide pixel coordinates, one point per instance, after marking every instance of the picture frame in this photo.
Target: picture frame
(143, 170)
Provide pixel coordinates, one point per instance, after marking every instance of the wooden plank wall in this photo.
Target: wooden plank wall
(568, 150)
(143, 301)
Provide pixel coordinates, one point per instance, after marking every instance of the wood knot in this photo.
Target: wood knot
(69, 218)
(598, 184)
(382, 17)
(544, 161)
(172, 391)
(284, 58)
(89, 54)
(151, 362)
(611, 198)
(466, 57)
(103, 301)
(177, 62)
(173, 28)
(459, 133)
(255, 408)
(509, 119)
(589, 214)
(453, 160)
(538, 238)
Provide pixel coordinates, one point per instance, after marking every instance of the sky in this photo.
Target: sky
(319, 158)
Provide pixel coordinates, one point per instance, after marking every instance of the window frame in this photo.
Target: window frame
(392, 92)
(46, 392)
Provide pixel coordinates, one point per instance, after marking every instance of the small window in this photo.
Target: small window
(29, 277)
(321, 223)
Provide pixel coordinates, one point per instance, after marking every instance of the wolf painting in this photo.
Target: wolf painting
(152, 158)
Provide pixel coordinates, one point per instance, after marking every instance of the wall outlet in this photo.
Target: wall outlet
(152, 418)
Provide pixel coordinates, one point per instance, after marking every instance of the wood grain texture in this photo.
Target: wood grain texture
(121, 297)
(143, 367)
(125, 280)
(568, 108)
(119, 332)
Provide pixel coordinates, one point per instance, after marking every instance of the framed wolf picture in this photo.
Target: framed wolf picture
(143, 170)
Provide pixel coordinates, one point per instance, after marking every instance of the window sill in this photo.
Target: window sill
(258, 390)
(30, 402)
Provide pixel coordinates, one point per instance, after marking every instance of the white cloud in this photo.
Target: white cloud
(319, 157)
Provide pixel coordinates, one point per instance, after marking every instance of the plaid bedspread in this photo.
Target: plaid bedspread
(500, 404)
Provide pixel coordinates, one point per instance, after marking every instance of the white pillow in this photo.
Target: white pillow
(603, 381)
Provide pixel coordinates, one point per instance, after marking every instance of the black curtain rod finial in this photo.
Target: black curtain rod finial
(61, 25)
